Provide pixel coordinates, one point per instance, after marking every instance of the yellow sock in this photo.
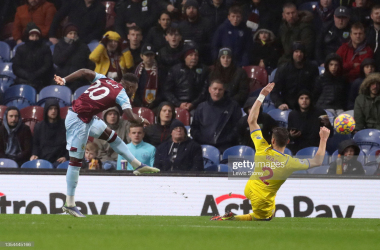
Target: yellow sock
(244, 217)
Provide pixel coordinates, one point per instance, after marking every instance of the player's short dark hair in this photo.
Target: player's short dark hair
(135, 28)
(281, 135)
(135, 125)
(129, 77)
(357, 26)
(172, 31)
(235, 10)
(288, 5)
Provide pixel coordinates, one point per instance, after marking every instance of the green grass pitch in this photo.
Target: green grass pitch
(182, 233)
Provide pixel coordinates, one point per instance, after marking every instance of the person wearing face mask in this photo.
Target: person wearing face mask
(71, 54)
(33, 62)
(349, 151)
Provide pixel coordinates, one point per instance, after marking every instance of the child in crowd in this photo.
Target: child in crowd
(90, 157)
(349, 152)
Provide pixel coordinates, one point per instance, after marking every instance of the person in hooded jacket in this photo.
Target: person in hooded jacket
(33, 62)
(331, 88)
(159, 132)
(15, 137)
(49, 139)
(349, 152)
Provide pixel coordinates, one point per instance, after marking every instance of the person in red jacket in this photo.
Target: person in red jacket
(354, 52)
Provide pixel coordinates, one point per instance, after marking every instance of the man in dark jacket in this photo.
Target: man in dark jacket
(135, 43)
(361, 12)
(88, 15)
(186, 83)
(33, 63)
(156, 34)
(215, 119)
(15, 137)
(292, 77)
(180, 153)
(71, 54)
(215, 12)
(49, 140)
(323, 13)
(304, 123)
(333, 35)
(349, 152)
(159, 132)
(265, 121)
(171, 53)
(373, 34)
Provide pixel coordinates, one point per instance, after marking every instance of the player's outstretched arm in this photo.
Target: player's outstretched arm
(82, 73)
(133, 118)
(324, 133)
(255, 110)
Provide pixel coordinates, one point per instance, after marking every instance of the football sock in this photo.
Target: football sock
(72, 176)
(121, 148)
(244, 217)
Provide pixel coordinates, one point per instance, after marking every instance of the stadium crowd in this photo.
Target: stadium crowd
(200, 65)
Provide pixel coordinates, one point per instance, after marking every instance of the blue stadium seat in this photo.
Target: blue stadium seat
(361, 157)
(319, 170)
(370, 169)
(5, 82)
(280, 116)
(288, 152)
(92, 45)
(21, 91)
(188, 128)
(18, 103)
(37, 164)
(211, 156)
(371, 156)
(310, 6)
(321, 70)
(300, 172)
(80, 91)
(5, 52)
(334, 141)
(349, 112)
(268, 106)
(63, 165)
(15, 49)
(62, 93)
(271, 77)
(7, 163)
(238, 151)
(223, 168)
(367, 138)
(310, 153)
(6, 70)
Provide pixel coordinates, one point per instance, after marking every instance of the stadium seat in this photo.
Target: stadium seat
(280, 116)
(80, 91)
(37, 164)
(19, 103)
(361, 157)
(20, 91)
(7, 163)
(35, 113)
(238, 151)
(258, 77)
(367, 138)
(6, 70)
(349, 112)
(6, 31)
(288, 152)
(92, 45)
(271, 77)
(64, 111)
(301, 172)
(2, 111)
(373, 154)
(63, 165)
(5, 52)
(110, 14)
(143, 112)
(331, 117)
(223, 168)
(321, 70)
(15, 49)
(183, 115)
(334, 141)
(310, 152)
(188, 128)
(211, 156)
(370, 169)
(319, 170)
(310, 6)
(267, 106)
(62, 93)
(5, 83)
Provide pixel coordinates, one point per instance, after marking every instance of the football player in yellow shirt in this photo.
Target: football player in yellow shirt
(272, 166)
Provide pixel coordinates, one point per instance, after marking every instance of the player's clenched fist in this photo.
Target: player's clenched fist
(59, 80)
(324, 133)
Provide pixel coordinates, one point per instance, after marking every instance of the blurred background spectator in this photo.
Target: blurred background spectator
(214, 12)
(349, 152)
(361, 12)
(323, 13)
(372, 34)
(135, 43)
(171, 53)
(91, 157)
(156, 34)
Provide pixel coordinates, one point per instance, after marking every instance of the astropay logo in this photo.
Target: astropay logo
(239, 204)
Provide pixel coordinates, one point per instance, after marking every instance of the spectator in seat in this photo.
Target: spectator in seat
(91, 153)
(354, 52)
(214, 12)
(15, 137)
(367, 67)
(71, 54)
(331, 88)
(297, 26)
(261, 15)
(113, 120)
(373, 34)
(215, 119)
(361, 12)
(186, 83)
(349, 152)
(367, 104)
(233, 34)
(265, 52)
(333, 34)
(135, 37)
(144, 152)
(236, 79)
(150, 77)
(33, 63)
(88, 15)
(171, 53)
(265, 121)
(323, 13)
(40, 12)
(304, 123)
(159, 132)
(292, 77)
(112, 56)
(49, 140)
(156, 34)
(180, 153)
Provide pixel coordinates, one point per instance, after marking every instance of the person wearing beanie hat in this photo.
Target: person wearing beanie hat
(71, 54)
(367, 67)
(180, 153)
(304, 123)
(33, 64)
(112, 56)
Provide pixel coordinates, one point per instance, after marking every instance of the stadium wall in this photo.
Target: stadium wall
(187, 196)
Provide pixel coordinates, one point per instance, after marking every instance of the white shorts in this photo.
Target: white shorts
(77, 133)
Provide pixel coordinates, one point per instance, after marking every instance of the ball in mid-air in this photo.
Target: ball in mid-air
(344, 124)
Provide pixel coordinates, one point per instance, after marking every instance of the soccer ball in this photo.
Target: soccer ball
(344, 124)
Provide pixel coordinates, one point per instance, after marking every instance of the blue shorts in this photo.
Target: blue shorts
(77, 133)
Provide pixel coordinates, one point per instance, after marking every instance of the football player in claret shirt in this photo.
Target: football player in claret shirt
(81, 121)
(272, 166)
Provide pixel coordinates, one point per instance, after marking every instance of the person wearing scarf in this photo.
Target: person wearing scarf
(323, 13)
